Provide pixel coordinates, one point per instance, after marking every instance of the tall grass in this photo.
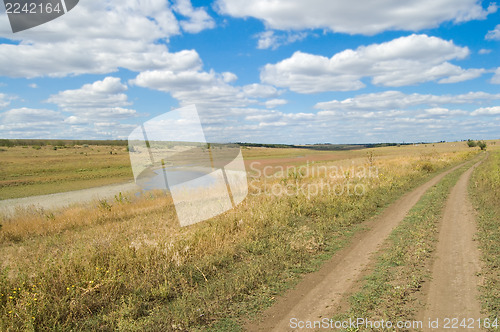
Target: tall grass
(127, 265)
(485, 193)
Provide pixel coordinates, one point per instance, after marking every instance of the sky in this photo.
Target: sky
(262, 71)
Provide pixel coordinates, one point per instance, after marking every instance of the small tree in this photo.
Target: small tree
(482, 145)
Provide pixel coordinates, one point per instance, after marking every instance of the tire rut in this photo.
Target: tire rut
(453, 292)
(319, 294)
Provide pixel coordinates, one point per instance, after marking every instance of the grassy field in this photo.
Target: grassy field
(32, 170)
(485, 193)
(125, 264)
(39, 170)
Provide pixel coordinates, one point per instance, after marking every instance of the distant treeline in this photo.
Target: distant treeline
(59, 142)
(319, 146)
(324, 146)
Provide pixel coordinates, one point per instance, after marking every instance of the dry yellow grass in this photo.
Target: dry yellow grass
(126, 264)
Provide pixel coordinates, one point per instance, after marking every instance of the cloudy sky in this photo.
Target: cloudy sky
(281, 71)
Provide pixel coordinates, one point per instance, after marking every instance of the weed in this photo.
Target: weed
(485, 193)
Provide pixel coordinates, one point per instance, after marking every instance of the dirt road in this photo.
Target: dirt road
(453, 290)
(319, 294)
(60, 200)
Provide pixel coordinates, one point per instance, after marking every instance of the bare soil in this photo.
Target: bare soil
(61, 200)
(453, 292)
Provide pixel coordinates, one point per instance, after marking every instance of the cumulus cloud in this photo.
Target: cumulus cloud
(36, 123)
(30, 123)
(402, 61)
(206, 89)
(484, 51)
(108, 92)
(98, 100)
(487, 111)
(272, 103)
(409, 125)
(4, 100)
(30, 115)
(260, 91)
(198, 20)
(123, 34)
(221, 104)
(391, 100)
(271, 39)
(496, 78)
(440, 112)
(365, 17)
(494, 34)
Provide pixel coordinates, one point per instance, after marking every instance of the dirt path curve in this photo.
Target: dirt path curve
(60, 200)
(453, 290)
(318, 294)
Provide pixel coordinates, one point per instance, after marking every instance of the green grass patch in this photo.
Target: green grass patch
(485, 193)
(41, 170)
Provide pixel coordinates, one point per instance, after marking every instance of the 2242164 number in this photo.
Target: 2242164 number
(469, 323)
(32, 8)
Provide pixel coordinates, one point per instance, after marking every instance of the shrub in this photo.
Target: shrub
(471, 143)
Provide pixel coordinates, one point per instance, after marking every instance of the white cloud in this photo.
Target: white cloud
(44, 123)
(391, 100)
(4, 100)
(33, 85)
(74, 120)
(417, 120)
(267, 39)
(494, 34)
(440, 112)
(260, 91)
(463, 75)
(364, 17)
(272, 103)
(221, 106)
(101, 99)
(90, 56)
(105, 93)
(30, 123)
(208, 90)
(484, 51)
(402, 61)
(169, 81)
(495, 110)
(270, 39)
(427, 124)
(30, 115)
(122, 34)
(496, 78)
(198, 21)
(229, 77)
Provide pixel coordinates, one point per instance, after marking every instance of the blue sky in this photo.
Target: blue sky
(282, 71)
